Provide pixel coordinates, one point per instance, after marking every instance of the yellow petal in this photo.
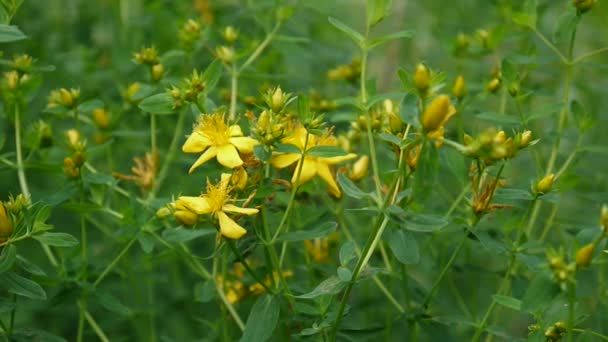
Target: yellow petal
(243, 144)
(235, 131)
(284, 160)
(298, 138)
(325, 174)
(205, 157)
(199, 205)
(229, 228)
(231, 208)
(337, 160)
(309, 170)
(195, 143)
(228, 156)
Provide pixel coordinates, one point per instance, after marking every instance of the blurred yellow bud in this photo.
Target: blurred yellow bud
(277, 101)
(583, 5)
(6, 226)
(545, 185)
(163, 212)
(460, 89)
(225, 54)
(584, 255)
(436, 113)
(185, 217)
(239, 177)
(494, 85)
(157, 71)
(12, 79)
(73, 138)
(604, 218)
(100, 116)
(500, 137)
(66, 98)
(132, 89)
(422, 78)
(360, 169)
(230, 35)
(526, 139)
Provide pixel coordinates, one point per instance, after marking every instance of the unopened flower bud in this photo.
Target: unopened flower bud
(513, 89)
(545, 185)
(225, 54)
(435, 113)
(100, 116)
(583, 5)
(460, 89)
(66, 97)
(73, 137)
(604, 218)
(422, 78)
(584, 255)
(157, 71)
(6, 226)
(239, 178)
(526, 139)
(12, 79)
(494, 85)
(163, 212)
(360, 169)
(132, 89)
(185, 217)
(230, 35)
(277, 100)
(500, 137)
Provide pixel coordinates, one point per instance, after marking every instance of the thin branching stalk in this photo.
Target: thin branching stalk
(20, 167)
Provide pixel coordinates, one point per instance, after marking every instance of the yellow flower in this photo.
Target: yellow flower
(216, 202)
(311, 166)
(215, 138)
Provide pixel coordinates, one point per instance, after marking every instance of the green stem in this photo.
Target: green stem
(114, 262)
(589, 54)
(11, 322)
(362, 262)
(591, 332)
(20, 167)
(153, 133)
(571, 318)
(244, 262)
(294, 190)
(234, 88)
(177, 136)
(100, 334)
(445, 269)
(80, 322)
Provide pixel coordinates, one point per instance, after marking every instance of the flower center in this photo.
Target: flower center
(214, 127)
(218, 195)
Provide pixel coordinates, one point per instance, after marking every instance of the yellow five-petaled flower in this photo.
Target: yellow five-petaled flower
(217, 203)
(311, 165)
(216, 139)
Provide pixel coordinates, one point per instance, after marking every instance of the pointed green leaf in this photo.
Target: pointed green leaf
(404, 246)
(326, 152)
(212, 75)
(185, 234)
(56, 239)
(393, 36)
(329, 286)
(354, 35)
(158, 104)
(322, 230)
(21, 286)
(9, 33)
(7, 258)
(509, 302)
(262, 320)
